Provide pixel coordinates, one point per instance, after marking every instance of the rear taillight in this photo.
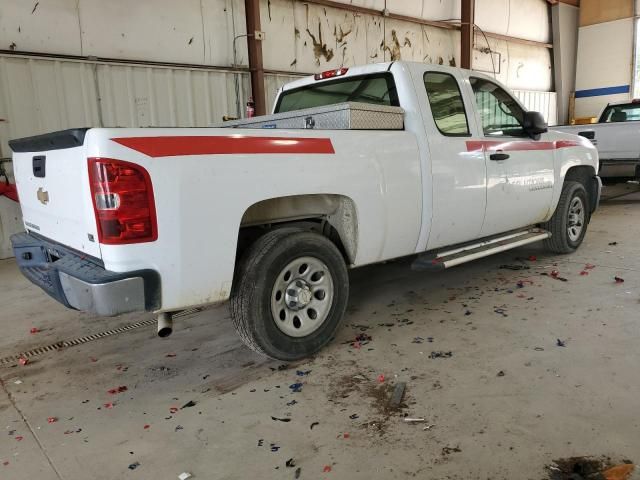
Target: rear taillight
(123, 202)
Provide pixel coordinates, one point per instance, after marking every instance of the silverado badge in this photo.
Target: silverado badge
(43, 196)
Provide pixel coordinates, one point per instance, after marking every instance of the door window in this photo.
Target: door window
(629, 112)
(446, 104)
(501, 115)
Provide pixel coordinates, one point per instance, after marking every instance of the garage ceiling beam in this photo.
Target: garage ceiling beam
(467, 9)
(453, 25)
(254, 46)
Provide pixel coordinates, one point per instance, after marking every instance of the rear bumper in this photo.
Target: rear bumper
(81, 282)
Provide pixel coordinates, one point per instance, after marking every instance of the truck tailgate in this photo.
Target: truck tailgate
(52, 179)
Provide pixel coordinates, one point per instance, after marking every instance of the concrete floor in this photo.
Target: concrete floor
(552, 402)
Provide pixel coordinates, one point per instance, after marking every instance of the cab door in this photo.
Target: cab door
(458, 176)
(520, 175)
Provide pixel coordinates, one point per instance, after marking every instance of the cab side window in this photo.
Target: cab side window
(446, 104)
(501, 115)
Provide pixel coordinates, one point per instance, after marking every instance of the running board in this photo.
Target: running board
(457, 256)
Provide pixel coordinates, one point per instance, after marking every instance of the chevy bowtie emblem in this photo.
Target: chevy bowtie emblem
(43, 196)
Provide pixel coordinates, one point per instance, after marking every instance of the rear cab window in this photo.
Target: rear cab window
(628, 112)
(447, 106)
(376, 89)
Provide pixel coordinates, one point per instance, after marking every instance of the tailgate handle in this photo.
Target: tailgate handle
(39, 162)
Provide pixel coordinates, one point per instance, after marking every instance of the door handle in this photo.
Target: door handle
(498, 156)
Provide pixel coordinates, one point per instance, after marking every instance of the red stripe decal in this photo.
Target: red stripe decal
(224, 145)
(518, 145)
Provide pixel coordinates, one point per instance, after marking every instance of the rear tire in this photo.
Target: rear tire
(290, 294)
(568, 225)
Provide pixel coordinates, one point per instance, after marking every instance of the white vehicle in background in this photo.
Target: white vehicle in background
(617, 138)
(356, 166)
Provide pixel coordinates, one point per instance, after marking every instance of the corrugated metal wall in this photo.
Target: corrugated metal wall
(38, 95)
(543, 102)
(304, 37)
(43, 94)
(301, 37)
(47, 94)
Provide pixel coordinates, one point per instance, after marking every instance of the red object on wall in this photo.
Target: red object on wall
(9, 190)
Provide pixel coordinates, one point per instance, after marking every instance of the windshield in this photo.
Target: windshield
(378, 89)
(629, 112)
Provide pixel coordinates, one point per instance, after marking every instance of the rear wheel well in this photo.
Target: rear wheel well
(333, 216)
(584, 174)
(250, 234)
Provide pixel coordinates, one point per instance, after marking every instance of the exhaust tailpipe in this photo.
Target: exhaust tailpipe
(165, 325)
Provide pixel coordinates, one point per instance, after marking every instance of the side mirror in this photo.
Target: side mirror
(534, 124)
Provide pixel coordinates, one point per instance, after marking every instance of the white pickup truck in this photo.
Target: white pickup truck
(617, 138)
(378, 162)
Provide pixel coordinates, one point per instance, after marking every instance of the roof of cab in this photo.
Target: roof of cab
(353, 71)
(367, 69)
(623, 102)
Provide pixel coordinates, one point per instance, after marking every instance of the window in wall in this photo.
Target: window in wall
(501, 114)
(446, 104)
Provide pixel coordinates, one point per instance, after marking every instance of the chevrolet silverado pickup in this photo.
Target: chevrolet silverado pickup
(355, 166)
(617, 138)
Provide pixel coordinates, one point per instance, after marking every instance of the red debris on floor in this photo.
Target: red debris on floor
(120, 389)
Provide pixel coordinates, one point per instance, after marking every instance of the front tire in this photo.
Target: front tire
(568, 225)
(290, 294)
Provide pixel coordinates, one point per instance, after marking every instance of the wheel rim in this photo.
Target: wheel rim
(301, 297)
(575, 221)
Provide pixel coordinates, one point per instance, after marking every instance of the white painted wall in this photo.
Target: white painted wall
(306, 38)
(186, 31)
(527, 19)
(202, 32)
(605, 59)
(519, 66)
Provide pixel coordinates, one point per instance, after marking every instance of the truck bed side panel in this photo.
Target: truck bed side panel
(201, 198)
